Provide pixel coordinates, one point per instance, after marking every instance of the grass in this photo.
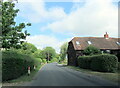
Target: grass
(24, 78)
(109, 76)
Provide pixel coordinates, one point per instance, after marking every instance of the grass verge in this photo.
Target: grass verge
(24, 78)
(114, 77)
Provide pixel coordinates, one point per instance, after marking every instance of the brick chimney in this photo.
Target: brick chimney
(106, 36)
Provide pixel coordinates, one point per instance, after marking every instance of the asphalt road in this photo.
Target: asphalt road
(54, 74)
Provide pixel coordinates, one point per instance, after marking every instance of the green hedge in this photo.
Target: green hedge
(14, 65)
(118, 65)
(103, 62)
(84, 62)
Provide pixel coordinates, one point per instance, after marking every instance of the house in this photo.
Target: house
(78, 44)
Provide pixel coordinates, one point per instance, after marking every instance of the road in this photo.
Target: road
(54, 74)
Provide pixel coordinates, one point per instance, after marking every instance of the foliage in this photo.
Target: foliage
(63, 51)
(54, 60)
(118, 65)
(48, 53)
(84, 62)
(29, 48)
(37, 54)
(91, 50)
(14, 64)
(103, 62)
(26, 48)
(44, 60)
(12, 34)
(37, 61)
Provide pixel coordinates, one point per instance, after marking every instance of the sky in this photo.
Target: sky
(55, 22)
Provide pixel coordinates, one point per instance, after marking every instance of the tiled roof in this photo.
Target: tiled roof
(99, 42)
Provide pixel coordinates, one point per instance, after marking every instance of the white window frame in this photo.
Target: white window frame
(89, 42)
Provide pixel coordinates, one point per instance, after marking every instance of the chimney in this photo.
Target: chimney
(106, 36)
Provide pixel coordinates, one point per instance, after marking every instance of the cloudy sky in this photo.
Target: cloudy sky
(57, 21)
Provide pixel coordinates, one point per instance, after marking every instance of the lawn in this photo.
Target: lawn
(109, 76)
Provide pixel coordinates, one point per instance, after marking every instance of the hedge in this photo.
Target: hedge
(14, 65)
(84, 62)
(118, 65)
(102, 62)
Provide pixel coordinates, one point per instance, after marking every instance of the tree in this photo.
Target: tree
(49, 53)
(63, 51)
(12, 34)
(37, 54)
(91, 50)
(28, 48)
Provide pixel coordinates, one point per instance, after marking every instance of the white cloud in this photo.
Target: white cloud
(95, 18)
(41, 41)
(36, 11)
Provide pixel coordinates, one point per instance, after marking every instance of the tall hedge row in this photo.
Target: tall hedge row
(84, 62)
(104, 62)
(14, 65)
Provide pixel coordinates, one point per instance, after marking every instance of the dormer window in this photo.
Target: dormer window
(118, 43)
(89, 42)
(77, 42)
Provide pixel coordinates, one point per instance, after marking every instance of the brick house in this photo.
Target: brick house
(78, 44)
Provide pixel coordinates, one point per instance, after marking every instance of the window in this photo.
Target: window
(118, 43)
(77, 42)
(108, 51)
(89, 42)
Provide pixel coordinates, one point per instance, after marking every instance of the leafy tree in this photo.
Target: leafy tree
(12, 34)
(28, 48)
(49, 53)
(91, 50)
(63, 51)
(37, 54)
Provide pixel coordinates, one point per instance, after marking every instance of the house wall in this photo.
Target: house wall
(78, 53)
(71, 55)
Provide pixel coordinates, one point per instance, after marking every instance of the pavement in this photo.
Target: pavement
(54, 74)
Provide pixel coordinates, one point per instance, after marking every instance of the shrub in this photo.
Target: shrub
(37, 61)
(40, 60)
(54, 60)
(91, 50)
(105, 63)
(118, 65)
(14, 65)
(84, 62)
(44, 60)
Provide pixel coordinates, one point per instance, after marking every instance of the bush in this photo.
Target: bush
(14, 65)
(91, 50)
(37, 61)
(104, 63)
(44, 60)
(54, 60)
(84, 62)
(118, 65)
